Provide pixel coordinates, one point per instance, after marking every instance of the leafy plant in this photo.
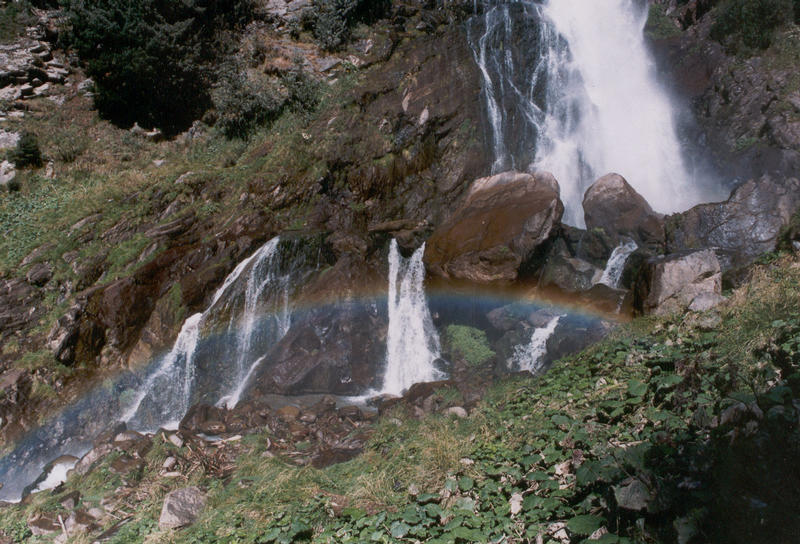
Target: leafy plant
(332, 19)
(27, 152)
(751, 23)
(469, 343)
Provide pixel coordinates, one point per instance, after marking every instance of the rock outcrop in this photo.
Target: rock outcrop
(502, 221)
(181, 508)
(740, 229)
(678, 282)
(613, 205)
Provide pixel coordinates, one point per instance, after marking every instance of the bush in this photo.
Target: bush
(27, 152)
(469, 343)
(751, 23)
(332, 19)
(149, 58)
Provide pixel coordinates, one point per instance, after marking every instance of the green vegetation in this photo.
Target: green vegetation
(333, 19)
(14, 18)
(751, 23)
(468, 343)
(149, 59)
(659, 24)
(27, 152)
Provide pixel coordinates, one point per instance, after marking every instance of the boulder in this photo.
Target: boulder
(501, 222)
(613, 205)
(181, 508)
(678, 282)
(740, 229)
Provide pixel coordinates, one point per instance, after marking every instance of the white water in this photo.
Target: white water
(412, 344)
(56, 476)
(616, 263)
(531, 356)
(585, 86)
(167, 394)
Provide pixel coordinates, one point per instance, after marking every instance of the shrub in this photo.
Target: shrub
(27, 152)
(751, 23)
(243, 103)
(332, 19)
(469, 343)
(148, 58)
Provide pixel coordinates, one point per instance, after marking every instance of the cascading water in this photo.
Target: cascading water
(531, 356)
(616, 263)
(570, 88)
(412, 344)
(253, 326)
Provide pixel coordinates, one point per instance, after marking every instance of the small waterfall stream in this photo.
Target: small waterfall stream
(249, 297)
(616, 263)
(531, 356)
(412, 344)
(570, 87)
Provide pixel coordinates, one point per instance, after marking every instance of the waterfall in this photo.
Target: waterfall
(169, 390)
(412, 344)
(531, 356)
(616, 263)
(572, 85)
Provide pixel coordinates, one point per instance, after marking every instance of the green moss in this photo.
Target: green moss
(659, 25)
(469, 343)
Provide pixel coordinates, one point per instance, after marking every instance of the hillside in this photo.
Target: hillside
(341, 271)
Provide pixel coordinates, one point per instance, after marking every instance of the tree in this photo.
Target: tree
(149, 58)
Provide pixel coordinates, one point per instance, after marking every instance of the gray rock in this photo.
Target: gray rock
(8, 140)
(7, 174)
(614, 206)
(39, 274)
(457, 411)
(181, 508)
(741, 228)
(671, 284)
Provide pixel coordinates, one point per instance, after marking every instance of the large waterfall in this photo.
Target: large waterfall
(255, 299)
(570, 88)
(412, 344)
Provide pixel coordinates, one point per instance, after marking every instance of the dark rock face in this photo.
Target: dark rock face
(502, 221)
(338, 350)
(741, 228)
(613, 205)
(15, 389)
(689, 280)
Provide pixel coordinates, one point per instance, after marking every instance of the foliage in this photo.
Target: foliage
(750, 23)
(27, 152)
(332, 19)
(147, 58)
(469, 343)
(14, 17)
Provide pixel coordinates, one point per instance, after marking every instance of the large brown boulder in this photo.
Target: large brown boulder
(503, 219)
(679, 282)
(740, 229)
(614, 206)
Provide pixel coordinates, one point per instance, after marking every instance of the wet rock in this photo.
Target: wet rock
(613, 205)
(332, 350)
(15, 390)
(565, 272)
(503, 219)
(672, 283)
(740, 229)
(88, 461)
(181, 508)
(64, 335)
(124, 465)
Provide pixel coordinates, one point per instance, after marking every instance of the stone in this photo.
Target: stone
(64, 334)
(501, 222)
(44, 524)
(288, 413)
(740, 229)
(80, 522)
(7, 174)
(169, 462)
(613, 205)
(70, 500)
(457, 411)
(39, 274)
(672, 283)
(8, 140)
(181, 508)
(175, 440)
